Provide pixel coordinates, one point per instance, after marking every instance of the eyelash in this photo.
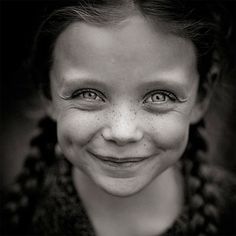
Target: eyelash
(101, 96)
(88, 90)
(168, 94)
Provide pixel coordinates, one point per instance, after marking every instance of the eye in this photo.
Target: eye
(160, 97)
(89, 95)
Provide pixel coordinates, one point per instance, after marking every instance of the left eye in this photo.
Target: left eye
(160, 97)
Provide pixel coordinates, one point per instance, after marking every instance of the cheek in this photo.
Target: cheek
(171, 135)
(75, 129)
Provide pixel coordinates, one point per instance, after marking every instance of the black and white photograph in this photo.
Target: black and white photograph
(118, 118)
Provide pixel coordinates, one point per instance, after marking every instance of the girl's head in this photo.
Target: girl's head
(124, 81)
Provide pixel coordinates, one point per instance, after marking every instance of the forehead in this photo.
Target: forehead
(133, 48)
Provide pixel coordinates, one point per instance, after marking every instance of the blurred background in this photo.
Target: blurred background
(20, 106)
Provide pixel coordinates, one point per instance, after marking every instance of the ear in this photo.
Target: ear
(204, 95)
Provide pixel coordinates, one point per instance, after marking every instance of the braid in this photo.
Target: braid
(19, 202)
(202, 192)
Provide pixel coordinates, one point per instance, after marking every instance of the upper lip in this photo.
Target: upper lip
(120, 159)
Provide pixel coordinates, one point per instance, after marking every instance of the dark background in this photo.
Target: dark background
(20, 107)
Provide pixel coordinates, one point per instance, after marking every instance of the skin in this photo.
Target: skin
(142, 97)
(123, 98)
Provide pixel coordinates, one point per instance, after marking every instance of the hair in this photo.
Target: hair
(200, 22)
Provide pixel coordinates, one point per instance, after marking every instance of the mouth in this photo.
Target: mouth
(120, 161)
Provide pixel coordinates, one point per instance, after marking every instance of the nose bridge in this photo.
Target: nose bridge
(123, 125)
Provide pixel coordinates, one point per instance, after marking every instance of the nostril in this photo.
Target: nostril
(122, 138)
(106, 134)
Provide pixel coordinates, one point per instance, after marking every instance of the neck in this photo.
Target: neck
(151, 211)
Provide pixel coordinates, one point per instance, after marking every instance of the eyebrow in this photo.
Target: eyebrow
(173, 86)
(176, 81)
(69, 83)
(155, 83)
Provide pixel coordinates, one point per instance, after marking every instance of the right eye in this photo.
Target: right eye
(89, 95)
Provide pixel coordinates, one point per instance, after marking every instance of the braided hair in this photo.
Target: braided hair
(20, 201)
(203, 195)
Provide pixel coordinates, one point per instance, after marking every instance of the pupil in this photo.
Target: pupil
(158, 97)
(89, 95)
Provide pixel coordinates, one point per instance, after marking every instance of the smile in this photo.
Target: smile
(120, 161)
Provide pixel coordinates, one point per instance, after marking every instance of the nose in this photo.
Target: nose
(122, 127)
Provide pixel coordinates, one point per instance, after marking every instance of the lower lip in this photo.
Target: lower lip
(120, 165)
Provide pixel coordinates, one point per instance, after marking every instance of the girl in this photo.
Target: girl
(126, 85)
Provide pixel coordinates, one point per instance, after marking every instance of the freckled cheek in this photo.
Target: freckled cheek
(76, 129)
(171, 134)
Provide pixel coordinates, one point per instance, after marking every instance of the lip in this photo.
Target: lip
(120, 161)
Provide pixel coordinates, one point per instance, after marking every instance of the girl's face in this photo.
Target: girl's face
(123, 98)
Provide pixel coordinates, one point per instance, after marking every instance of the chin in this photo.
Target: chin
(122, 187)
